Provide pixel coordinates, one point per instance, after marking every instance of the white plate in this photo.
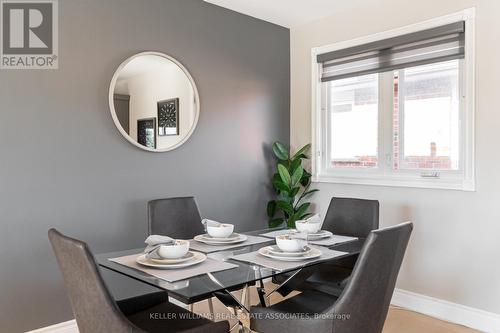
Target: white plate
(197, 258)
(165, 261)
(202, 239)
(314, 253)
(276, 251)
(232, 237)
(319, 235)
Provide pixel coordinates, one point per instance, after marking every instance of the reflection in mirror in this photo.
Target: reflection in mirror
(153, 101)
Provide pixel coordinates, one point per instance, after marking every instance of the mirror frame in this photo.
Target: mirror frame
(112, 106)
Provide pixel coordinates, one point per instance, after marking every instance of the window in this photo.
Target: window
(426, 122)
(397, 111)
(353, 111)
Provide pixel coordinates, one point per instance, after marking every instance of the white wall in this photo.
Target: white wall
(454, 253)
(166, 82)
(147, 90)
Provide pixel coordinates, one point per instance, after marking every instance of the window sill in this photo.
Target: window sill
(443, 184)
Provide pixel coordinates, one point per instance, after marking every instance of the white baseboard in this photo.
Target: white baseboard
(452, 312)
(66, 327)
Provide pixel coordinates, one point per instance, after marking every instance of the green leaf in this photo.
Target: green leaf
(285, 196)
(309, 192)
(271, 208)
(285, 206)
(295, 164)
(291, 222)
(297, 176)
(299, 213)
(306, 179)
(276, 222)
(302, 209)
(284, 174)
(294, 192)
(290, 179)
(301, 156)
(305, 216)
(301, 152)
(279, 185)
(280, 151)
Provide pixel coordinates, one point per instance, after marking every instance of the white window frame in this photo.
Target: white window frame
(464, 179)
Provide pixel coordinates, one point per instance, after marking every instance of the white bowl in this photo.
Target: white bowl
(304, 226)
(287, 244)
(178, 250)
(222, 230)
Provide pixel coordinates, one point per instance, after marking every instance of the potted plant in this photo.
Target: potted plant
(292, 185)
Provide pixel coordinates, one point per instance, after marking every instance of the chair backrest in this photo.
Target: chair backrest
(367, 296)
(174, 217)
(93, 306)
(352, 217)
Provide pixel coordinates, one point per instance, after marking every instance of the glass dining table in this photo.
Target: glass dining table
(202, 287)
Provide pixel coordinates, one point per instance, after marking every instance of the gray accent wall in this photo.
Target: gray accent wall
(64, 164)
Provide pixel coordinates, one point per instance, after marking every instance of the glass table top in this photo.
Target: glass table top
(201, 287)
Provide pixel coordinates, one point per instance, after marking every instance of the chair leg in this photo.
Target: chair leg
(226, 297)
(261, 292)
(241, 328)
(244, 296)
(211, 308)
(249, 302)
(237, 324)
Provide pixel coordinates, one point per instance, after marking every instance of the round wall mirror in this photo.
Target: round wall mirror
(154, 101)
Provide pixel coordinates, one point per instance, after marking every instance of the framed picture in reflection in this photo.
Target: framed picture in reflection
(146, 132)
(168, 117)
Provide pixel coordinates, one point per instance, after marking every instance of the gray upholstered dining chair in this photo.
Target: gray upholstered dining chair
(363, 305)
(96, 311)
(178, 217)
(345, 216)
(175, 217)
(352, 216)
(349, 217)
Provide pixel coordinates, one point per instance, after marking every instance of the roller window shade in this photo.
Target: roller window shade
(419, 48)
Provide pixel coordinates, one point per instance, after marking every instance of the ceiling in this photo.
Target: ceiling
(289, 13)
(143, 65)
(146, 64)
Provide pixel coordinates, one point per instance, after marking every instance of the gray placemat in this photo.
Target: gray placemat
(333, 240)
(278, 265)
(172, 275)
(273, 234)
(207, 248)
